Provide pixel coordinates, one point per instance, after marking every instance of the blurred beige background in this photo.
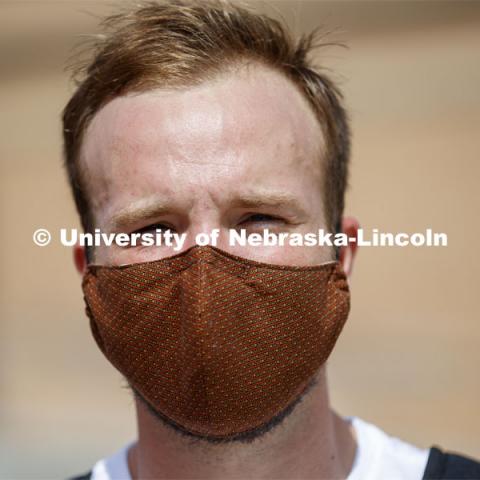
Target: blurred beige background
(409, 357)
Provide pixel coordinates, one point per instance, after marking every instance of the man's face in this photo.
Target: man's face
(240, 152)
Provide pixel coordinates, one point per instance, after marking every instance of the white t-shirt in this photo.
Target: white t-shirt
(381, 457)
(378, 457)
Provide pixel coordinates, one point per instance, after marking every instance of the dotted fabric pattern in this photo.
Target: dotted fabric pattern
(217, 343)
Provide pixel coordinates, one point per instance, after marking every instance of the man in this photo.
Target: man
(196, 117)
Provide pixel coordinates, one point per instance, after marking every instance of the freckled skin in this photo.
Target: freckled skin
(241, 132)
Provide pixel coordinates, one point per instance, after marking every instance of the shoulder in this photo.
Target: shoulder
(448, 465)
(114, 467)
(380, 456)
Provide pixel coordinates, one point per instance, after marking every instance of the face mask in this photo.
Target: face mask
(217, 343)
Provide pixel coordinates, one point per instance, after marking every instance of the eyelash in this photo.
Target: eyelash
(251, 218)
(267, 217)
(154, 226)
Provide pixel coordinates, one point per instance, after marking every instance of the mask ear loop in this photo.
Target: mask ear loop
(88, 254)
(338, 229)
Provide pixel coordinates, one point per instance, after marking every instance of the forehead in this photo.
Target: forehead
(249, 122)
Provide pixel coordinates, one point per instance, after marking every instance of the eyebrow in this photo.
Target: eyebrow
(269, 199)
(140, 211)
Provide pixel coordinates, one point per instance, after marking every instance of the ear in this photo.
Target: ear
(80, 258)
(350, 227)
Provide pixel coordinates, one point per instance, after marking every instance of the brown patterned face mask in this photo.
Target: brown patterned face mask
(217, 343)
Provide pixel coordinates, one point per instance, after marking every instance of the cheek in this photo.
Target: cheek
(300, 256)
(286, 255)
(309, 255)
(102, 255)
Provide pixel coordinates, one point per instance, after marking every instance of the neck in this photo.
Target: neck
(312, 442)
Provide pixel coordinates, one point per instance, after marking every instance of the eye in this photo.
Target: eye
(261, 218)
(154, 227)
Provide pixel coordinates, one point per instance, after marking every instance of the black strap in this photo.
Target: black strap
(85, 476)
(450, 466)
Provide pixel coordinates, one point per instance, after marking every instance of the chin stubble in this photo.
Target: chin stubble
(244, 437)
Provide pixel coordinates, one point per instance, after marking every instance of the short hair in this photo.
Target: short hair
(182, 43)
